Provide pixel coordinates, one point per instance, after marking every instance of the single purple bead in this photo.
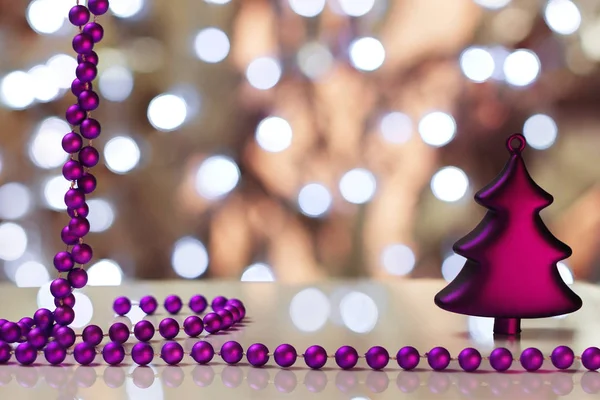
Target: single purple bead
(168, 328)
(202, 352)
(72, 170)
(10, 332)
(55, 354)
(72, 142)
(590, 358)
(74, 198)
(173, 304)
(469, 359)
(5, 350)
(43, 318)
(377, 357)
(38, 338)
(212, 322)
(346, 357)
(79, 15)
(88, 100)
(118, 332)
(84, 354)
(67, 239)
(501, 359)
(143, 331)
(82, 211)
(82, 253)
(86, 72)
(92, 335)
(3, 321)
(226, 319)
(257, 354)
(25, 354)
(78, 86)
(234, 312)
(531, 359)
(60, 288)
(24, 331)
(113, 353)
(148, 304)
(79, 226)
(142, 353)
(95, 30)
(285, 355)
(90, 128)
(98, 7)
(122, 305)
(232, 352)
(315, 357)
(83, 44)
(78, 278)
(193, 326)
(65, 301)
(562, 357)
(198, 304)
(89, 156)
(235, 303)
(172, 353)
(218, 303)
(92, 57)
(64, 336)
(64, 315)
(74, 114)
(27, 321)
(438, 358)
(242, 311)
(87, 183)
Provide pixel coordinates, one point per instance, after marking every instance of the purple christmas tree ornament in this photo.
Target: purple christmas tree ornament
(511, 271)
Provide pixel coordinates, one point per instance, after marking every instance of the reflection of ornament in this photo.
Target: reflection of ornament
(511, 270)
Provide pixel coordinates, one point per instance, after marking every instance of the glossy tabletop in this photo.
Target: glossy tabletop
(334, 313)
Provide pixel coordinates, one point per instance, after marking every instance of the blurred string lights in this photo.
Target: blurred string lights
(219, 174)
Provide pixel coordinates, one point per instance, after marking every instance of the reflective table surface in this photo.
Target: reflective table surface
(334, 313)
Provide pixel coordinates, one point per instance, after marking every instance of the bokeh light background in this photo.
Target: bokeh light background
(294, 140)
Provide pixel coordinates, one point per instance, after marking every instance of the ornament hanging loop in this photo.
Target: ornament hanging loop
(516, 143)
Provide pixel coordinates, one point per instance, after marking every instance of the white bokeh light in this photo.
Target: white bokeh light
(15, 200)
(258, 272)
(314, 60)
(493, 4)
(437, 128)
(45, 149)
(309, 310)
(540, 131)
(451, 266)
(481, 330)
(274, 134)
(136, 314)
(396, 127)
(449, 184)
(565, 273)
(562, 16)
(477, 64)
(358, 186)
(314, 200)
(356, 8)
(367, 54)
(126, 8)
(17, 90)
(189, 258)
(216, 177)
(45, 17)
(307, 8)
(54, 192)
(359, 312)
(521, 67)
(44, 298)
(13, 241)
(219, 2)
(101, 215)
(121, 154)
(398, 259)
(211, 45)
(167, 112)
(105, 273)
(116, 83)
(263, 73)
(45, 83)
(31, 274)
(83, 309)
(63, 69)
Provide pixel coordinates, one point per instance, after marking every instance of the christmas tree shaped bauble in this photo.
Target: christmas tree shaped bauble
(511, 269)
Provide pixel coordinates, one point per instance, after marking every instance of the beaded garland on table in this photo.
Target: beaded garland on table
(48, 333)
